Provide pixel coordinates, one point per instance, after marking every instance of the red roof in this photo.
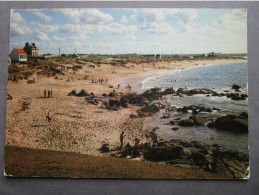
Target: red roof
(20, 51)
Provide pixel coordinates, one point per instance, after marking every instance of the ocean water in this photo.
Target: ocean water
(219, 78)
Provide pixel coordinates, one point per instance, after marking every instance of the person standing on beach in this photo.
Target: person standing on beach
(45, 93)
(48, 118)
(121, 139)
(48, 93)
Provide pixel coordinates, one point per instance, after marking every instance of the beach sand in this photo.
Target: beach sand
(76, 125)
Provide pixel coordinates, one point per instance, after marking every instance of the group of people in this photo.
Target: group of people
(100, 81)
(128, 87)
(49, 95)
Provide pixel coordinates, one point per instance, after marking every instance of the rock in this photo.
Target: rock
(83, 93)
(104, 94)
(163, 153)
(211, 124)
(93, 101)
(133, 116)
(172, 122)
(200, 91)
(114, 103)
(175, 128)
(235, 87)
(104, 148)
(169, 91)
(199, 121)
(197, 157)
(73, 92)
(244, 115)
(186, 122)
(150, 108)
(9, 97)
(232, 123)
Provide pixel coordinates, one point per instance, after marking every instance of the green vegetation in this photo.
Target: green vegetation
(94, 58)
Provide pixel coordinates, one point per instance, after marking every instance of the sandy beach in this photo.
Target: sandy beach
(76, 125)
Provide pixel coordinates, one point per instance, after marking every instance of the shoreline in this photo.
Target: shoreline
(132, 80)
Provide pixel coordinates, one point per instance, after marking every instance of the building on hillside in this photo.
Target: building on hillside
(18, 55)
(31, 49)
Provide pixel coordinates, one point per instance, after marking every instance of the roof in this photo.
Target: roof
(20, 51)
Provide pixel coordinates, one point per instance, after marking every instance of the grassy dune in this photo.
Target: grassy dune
(25, 162)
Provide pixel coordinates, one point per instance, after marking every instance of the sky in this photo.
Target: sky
(123, 31)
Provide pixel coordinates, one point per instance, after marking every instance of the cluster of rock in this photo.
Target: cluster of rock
(231, 164)
(231, 123)
(209, 92)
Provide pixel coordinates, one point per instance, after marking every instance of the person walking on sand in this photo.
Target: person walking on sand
(48, 93)
(45, 93)
(48, 118)
(121, 139)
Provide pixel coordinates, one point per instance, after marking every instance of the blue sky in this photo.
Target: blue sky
(111, 31)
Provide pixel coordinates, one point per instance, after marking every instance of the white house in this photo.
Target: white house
(18, 55)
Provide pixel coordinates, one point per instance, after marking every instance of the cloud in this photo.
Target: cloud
(43, 16)
(124, 19)
(131, 37)
(89, 16)
(159, 28)
(187, 15)
(41, 36)
(18, 25)
(236, 20)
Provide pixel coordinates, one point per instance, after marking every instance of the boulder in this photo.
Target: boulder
(186, 122)
(199, 121)
(163, 153)
(73, 92)
(236, 87)
(175, 128)
(150, 108)
(83, 93)
(232, 123)
(104, 148)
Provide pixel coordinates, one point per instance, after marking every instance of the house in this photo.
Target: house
(31, 49)
(18, 55)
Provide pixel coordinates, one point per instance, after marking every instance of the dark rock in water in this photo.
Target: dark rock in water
(199, 121)
(235, 87)
(211, 124)
(105, 148)
(104, 94)
(175, 128)
(182, 91)
(215, 108)
(232, 123)
(186, 122)
(164, 153)
(244, 115)
(83, 93)
(169, 91)
(200, 91)
(237, 97)
(172, 122)
(165, 116)
(195, 111)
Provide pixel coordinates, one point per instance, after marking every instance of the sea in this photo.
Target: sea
(218, 77)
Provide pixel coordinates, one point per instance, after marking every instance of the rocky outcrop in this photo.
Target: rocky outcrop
(186, 123)
(232, 123)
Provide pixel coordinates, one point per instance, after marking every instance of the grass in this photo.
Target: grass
(25, 162)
